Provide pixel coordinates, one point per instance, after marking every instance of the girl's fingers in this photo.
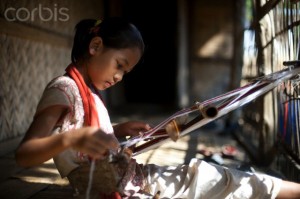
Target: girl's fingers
(94, 142)
(97, 151)
(109, 141)
(140, 126)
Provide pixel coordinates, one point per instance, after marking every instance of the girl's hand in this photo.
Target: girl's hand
(91, 141)
(131, 128)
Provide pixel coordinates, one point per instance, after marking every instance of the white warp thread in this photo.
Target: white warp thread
(88, 191)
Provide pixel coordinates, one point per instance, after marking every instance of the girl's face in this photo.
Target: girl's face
(107, 66)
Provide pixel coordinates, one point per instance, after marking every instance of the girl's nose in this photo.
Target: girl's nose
(118, 77)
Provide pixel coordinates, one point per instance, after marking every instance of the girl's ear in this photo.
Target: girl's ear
(96, 44)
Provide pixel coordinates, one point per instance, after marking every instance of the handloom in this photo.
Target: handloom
(189, 119)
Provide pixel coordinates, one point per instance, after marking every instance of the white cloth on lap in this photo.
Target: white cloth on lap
(200, 180)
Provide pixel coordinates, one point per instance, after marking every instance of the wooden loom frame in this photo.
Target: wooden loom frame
(202, 113)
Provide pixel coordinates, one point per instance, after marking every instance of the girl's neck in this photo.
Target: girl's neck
(82, 68)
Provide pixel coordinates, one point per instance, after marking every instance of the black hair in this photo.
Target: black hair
(115, 32)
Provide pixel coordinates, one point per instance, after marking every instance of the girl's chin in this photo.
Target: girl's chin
(100, 88)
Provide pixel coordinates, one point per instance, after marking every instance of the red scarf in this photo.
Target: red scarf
(89, 106)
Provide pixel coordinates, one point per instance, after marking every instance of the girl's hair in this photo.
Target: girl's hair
(115, 32)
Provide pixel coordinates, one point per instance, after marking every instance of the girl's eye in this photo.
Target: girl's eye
(122, 67)
(119, 66)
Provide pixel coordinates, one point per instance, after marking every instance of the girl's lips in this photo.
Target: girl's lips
(108, 84)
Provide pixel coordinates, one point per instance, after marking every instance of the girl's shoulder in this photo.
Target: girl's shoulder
(62, 82)
(66, 85)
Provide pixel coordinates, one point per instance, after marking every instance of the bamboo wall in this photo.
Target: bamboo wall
(35, 39)
(272, 122)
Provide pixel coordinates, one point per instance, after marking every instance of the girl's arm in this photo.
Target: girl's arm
(36, 146)
(39, 145)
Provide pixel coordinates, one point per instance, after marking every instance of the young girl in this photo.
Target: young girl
(72, 126)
